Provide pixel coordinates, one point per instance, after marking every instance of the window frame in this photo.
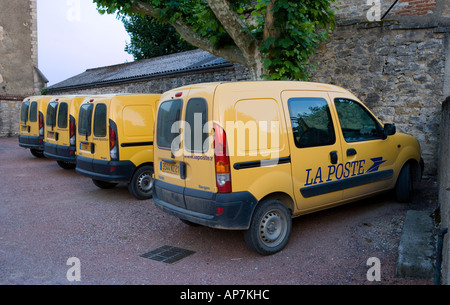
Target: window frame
(378, 126)
(101, 135)
(60, 107)
(332, 139)
(50, 118)
(90, 110)
(24, 112)
(187, 145)
(33, 114)
(160, 125)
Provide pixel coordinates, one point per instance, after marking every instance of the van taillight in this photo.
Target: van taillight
(221, 160)
(72, 133)
(41, 124)
(113, 149)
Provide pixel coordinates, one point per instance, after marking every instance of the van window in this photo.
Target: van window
(196, 118)
(24, 111)
(84, 120)
(356, 122)
(100, 120)
(311, 122)
(34, 112)
(169, 113)
(62, 115)
(51, 114)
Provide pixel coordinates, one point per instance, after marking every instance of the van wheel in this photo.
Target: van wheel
(104, 184)
(37, 153)
(141, 184)
(66, 165)
(270, 228)
(404, 186)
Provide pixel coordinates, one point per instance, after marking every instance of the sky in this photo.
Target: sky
(74, 37)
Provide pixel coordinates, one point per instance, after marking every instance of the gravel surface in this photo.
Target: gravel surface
(49, 215)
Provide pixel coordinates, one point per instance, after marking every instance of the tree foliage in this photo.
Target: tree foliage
(149, 38)
(273, 38)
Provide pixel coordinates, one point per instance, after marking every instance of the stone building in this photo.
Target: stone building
(398, 66)
(19, 73)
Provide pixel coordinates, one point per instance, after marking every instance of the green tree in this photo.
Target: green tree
(272, 38)
(149, 38)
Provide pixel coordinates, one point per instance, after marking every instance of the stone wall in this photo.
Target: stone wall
(9, 115)
(397, 71)
(19, 76)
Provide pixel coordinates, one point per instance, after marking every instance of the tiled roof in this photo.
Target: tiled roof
(175, 63)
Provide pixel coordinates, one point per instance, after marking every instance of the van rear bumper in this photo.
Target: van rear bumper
(109, 171)
(60, 152)
(33, 142)
(231, 211)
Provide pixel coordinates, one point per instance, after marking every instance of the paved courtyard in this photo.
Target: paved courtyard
(49, 215)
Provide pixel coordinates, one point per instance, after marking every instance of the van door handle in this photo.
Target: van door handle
(334, 157)
(182, 170)
(351, 152)
(169, 161)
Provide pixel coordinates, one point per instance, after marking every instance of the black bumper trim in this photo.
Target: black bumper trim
(201, 206)
(101, 170)
(60, 152)
(33, 142)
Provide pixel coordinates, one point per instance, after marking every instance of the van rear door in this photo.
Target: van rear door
(51, 122)
(198, 148)
(93, 130)
(62, 123)
(25, 118)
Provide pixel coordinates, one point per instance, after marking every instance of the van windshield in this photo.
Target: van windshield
(24, 111)
(51, 114)
(169, 113)
(84, 120)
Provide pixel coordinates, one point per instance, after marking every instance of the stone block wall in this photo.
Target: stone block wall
(19, 76)
(9, 115)
(398, 72)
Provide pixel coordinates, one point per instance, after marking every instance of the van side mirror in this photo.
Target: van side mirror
(389, 130)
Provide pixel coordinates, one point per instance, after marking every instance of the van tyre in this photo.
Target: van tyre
(104, 184)
(404, 186)
(141, 185)
(66, 165)
(270, 228)
(37, 153)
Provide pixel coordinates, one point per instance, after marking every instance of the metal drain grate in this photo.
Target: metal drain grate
(168, 254)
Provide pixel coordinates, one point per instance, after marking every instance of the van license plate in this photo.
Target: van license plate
(24, 128)
(170, 168)
(85, 146)
(51, 135)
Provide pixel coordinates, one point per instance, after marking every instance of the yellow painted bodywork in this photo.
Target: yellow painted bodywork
(61, 136)
(239, 107)
(32, 128)
(134, 116)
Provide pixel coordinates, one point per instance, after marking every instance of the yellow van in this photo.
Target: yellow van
(252, 155)
(31, 124)
(115, 141)
(60, 121)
